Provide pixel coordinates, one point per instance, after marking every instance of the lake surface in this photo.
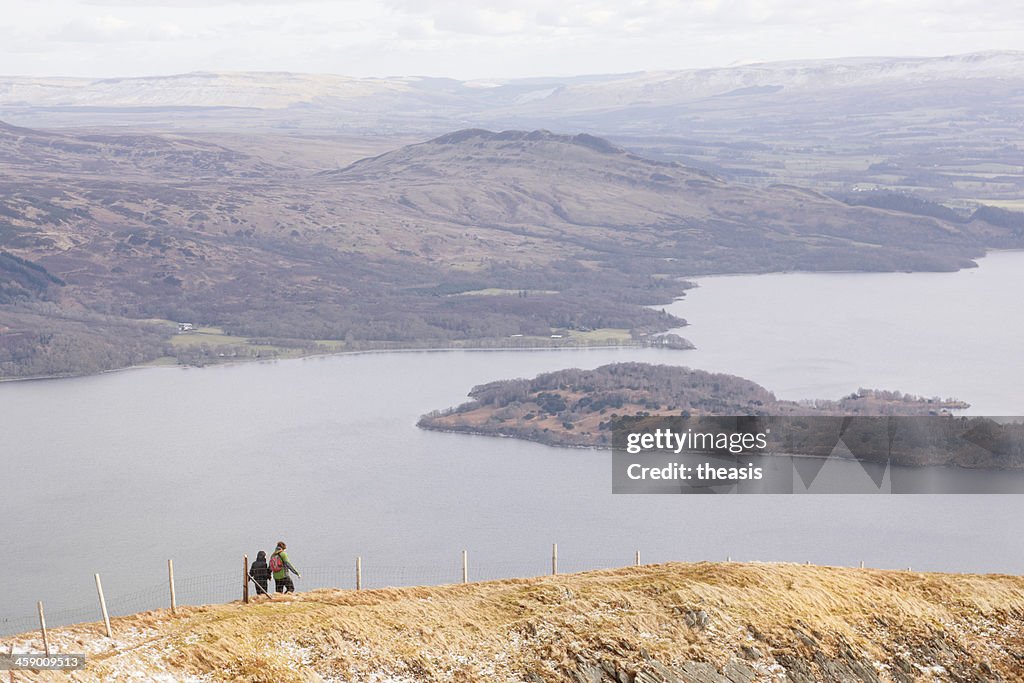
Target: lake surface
(823, 335)
(117, 473)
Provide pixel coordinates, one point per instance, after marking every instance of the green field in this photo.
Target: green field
(228, 347)
(1010, 204)
(602, 334)
(207, 335)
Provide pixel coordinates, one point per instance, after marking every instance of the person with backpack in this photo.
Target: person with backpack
(259, 573)
(280, 566)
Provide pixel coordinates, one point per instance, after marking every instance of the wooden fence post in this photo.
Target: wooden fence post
(245, 579)
(103, 607)
(359, 573)
(465, 567)
(637, 558)
(42, 627)
(170, 580)
(862, 564)
(554, 559)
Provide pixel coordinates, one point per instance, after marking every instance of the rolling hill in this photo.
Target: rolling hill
(471, 236)
(947, 128)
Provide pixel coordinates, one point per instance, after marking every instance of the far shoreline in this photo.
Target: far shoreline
(693, 280)
(330, 354)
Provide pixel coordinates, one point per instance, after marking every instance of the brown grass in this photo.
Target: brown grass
(764, 616)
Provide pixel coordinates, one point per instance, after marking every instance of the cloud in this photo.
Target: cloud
(87, 29)
(484, 21)
(600, 18)
(200, 3)
(109, 29)
(482, 38)
(604, 16)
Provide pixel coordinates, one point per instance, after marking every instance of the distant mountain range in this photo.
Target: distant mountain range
(635, 103)
(948, 129)
(274, 90)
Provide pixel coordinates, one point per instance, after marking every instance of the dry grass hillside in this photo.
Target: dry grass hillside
(701, 623)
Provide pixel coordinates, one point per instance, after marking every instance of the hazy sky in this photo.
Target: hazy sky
(497, 38)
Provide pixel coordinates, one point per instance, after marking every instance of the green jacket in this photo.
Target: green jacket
(278, 575)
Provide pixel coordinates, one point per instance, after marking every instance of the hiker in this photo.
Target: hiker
(259, 573)
(280, 566)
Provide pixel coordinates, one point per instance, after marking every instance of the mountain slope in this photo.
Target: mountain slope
(672, 623)
(471, 236)
(108, 155)
(583, 192)
(947, 128)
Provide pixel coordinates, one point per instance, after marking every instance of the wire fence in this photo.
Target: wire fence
(227, 586)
